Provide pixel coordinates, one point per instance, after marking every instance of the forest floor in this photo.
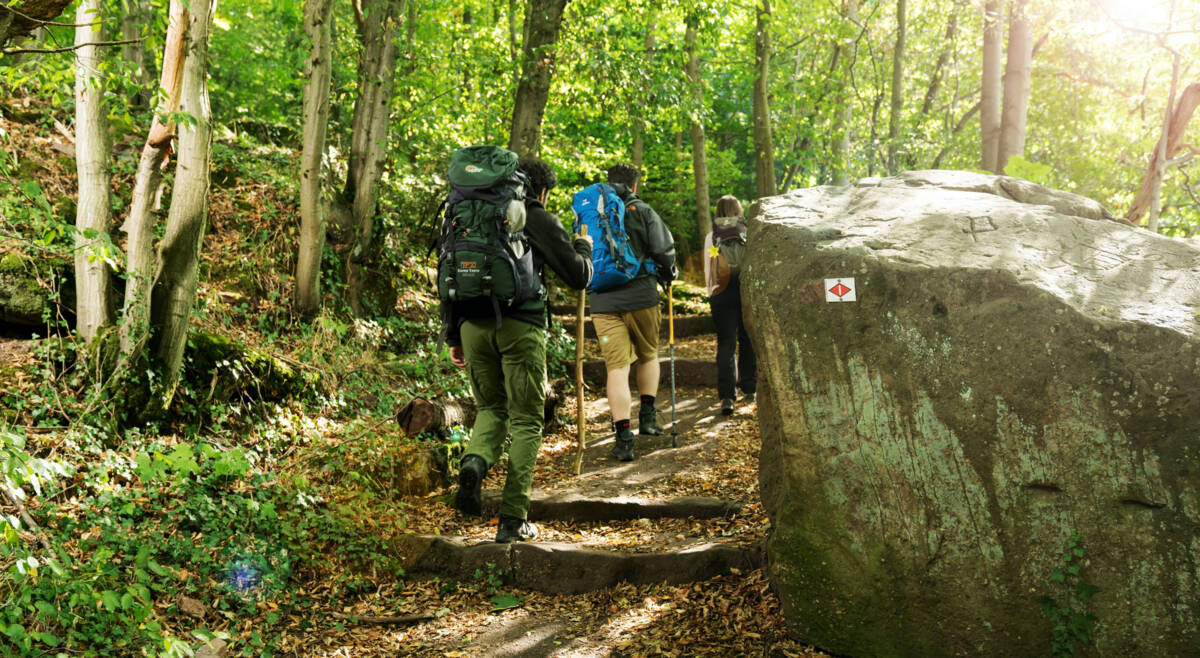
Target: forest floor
(726, 615)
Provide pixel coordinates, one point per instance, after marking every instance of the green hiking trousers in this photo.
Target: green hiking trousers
(507, 368)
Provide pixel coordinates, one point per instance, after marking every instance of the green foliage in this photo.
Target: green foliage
(490, 581)
(1031, 171)
(1072, 626)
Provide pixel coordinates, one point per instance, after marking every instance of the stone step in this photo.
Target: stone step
(583, 509)
(559, 568)
(686, 326)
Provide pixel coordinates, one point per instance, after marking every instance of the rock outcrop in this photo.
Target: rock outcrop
(1016, 369)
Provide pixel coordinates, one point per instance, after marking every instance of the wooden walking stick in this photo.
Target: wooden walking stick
(671, 342)
(580, 426)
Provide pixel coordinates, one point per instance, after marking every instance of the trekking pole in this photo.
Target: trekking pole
(671, 343)
(579, 419)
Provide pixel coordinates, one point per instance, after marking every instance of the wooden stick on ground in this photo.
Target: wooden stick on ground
(367, 619)
(28, 520)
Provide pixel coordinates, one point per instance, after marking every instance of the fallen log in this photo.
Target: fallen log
(438, 415)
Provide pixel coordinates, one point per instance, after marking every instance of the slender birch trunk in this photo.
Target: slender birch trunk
(764, 146)
(841, 127)
(139, 224)
(317, 71)
(897, 104)
(93, 281)
(1168, 146)
(991, 95)
(1160, 159)
(699, 154)
(134, 20)
(179, 252)
(1017, 75)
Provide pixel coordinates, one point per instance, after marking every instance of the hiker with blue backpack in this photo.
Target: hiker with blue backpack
(633, 253)
(496, 238)
(724, 249)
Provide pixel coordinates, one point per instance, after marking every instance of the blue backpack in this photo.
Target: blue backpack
(601, 210)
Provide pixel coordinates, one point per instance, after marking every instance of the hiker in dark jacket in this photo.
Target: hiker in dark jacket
(627, 318)
(507, 364)
(725, 300)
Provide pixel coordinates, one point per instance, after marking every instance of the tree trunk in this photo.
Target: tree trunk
(939, 68)
(893, 163)
(135, 18)
(179, 252)
(1182, 113)
(764, 147)
(93, 281)
(34, 14)
(990, 97)
(1016, 84)
(639, 131)
(139, 224)
(699, 156)
(841, 128)
(317, 71)
(542, 23)
(514, 43)
(377, 26)
(937, 160)
(439, 415)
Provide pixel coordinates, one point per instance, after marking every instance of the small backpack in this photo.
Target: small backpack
(729, 238)
(483, 253)
(601, 210)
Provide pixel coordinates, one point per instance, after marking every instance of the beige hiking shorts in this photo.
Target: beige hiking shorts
(628, 337)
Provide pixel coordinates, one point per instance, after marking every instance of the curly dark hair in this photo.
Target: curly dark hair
(625, 174)
(540, 174)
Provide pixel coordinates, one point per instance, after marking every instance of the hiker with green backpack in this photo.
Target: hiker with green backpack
(496, 238)
(724, 249)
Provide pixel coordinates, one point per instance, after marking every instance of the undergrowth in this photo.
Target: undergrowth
(241, 502)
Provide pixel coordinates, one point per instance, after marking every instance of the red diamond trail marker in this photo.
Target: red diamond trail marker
(840, 290)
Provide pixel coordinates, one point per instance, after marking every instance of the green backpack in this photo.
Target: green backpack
(483, 254)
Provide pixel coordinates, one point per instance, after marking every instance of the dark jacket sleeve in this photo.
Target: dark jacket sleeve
(660, 246)
(450, 325)
(571, 259)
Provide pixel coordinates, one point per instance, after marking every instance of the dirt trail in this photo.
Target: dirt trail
(659, 556)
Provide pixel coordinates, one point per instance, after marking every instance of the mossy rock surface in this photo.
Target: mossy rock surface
(28, 288)
(1016, 367)
(225, 369)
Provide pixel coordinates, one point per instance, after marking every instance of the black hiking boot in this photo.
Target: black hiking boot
(622, 449)
(648, 421)
(727, 407)
(748, 398)
(512, 529)
(469, 498)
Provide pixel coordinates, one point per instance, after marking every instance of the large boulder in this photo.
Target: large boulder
(1017, 368)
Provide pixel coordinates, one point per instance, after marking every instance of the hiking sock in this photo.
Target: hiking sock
(620, 426)
(647, 401)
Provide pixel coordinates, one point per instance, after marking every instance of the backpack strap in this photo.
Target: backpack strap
(644, 264)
